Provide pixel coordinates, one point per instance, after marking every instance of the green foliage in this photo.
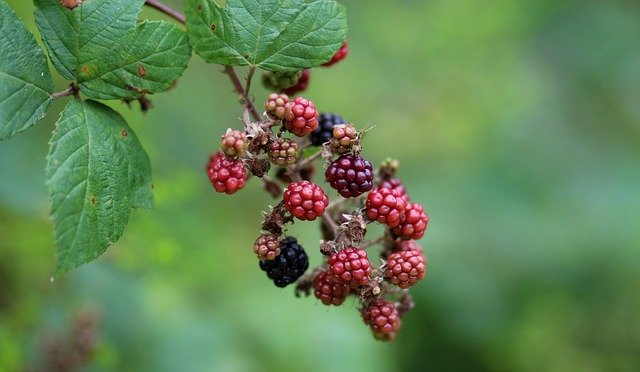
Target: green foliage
(25, 80)
(99, 45)
(97, 171)
(276, 35)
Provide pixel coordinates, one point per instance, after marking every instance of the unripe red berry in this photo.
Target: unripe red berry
(226, 175)
(406, 268)
(328, 291)
(350, 266)
(339, 55)
(301, 117)
(383, 318)
(413, 224)
(305, 200)
(386, 206)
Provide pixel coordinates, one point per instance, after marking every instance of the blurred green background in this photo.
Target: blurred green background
(518, 127)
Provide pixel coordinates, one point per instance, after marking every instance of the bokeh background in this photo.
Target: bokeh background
(518, 127)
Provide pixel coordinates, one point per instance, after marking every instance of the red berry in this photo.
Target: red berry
(275, 104)
(339, 56)
(305, 200)
(383, 318)
(405, 268)
(413, 224)
(386, 206)
(267, 247)
(301, 85)
(328, 291)
(226, 175)
(301, 117)
(234, 143)
(350, 266)
(394, 184)
(350, 175)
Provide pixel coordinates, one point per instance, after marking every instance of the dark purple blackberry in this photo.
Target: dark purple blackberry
(350, 175)
(289, 265)
(324, 132)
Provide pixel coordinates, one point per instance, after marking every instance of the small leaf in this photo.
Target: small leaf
(97, 171)
(25, 79)
(99, 45)
(276, 35)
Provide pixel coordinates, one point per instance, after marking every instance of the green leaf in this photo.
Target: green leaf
(276, 35)
(25, 79)
(158, 53)
(97, 171)
(99, 45)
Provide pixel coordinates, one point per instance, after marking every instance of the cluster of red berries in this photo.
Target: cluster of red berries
(367, 196)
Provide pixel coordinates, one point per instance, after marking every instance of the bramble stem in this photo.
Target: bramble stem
(167, 10)
(229, 70)
(72, 90)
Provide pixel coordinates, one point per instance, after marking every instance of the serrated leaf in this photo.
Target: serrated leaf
(99, 45)
(276, 35)
(158, 53)
(97, 171)
(25, 79)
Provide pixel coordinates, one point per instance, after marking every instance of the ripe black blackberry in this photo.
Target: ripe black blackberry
(324, 132)
(289, 265)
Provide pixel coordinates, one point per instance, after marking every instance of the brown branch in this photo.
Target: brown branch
(167, 10)
(72, 90)
(229, 70)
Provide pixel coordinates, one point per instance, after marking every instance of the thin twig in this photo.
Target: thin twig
(332, 224)
(65, 93)
(374, 242)
(229, 70)
(167, 10)
(303, 164)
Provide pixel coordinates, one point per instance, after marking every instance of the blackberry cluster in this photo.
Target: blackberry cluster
(347, 268)
(324, 132)
(289, 265)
